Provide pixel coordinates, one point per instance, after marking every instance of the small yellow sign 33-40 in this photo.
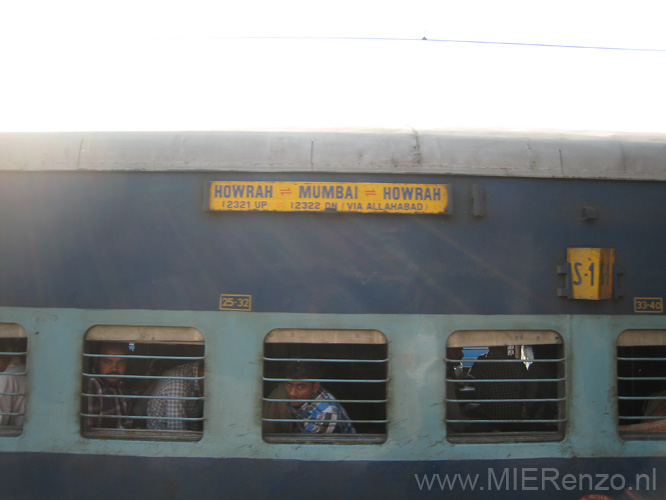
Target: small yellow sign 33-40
(649, 305)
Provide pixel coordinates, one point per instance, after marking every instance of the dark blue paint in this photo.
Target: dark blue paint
(143, 241)
(62, 476)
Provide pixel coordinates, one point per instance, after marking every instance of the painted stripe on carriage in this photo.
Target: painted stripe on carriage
(350, 197)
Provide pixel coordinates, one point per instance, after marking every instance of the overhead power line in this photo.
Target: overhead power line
(440, 40)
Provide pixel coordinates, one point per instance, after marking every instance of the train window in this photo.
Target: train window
(143, 383)
(641, 384)
(13, 356)
(505, 386)
(325, 386)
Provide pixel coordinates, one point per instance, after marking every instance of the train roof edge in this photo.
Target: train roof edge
(554, 154)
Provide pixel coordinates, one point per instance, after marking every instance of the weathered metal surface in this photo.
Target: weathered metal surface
(472, 152)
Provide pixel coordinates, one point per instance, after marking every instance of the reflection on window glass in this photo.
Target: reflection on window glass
(143, 383)
(324, 384)
(641, 386)
(505, 382)
(13, 354)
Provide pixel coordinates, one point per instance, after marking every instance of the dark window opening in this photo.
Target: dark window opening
(344, 378)
(505, 386)
(641, 384)
(13, 372)
(143, 383)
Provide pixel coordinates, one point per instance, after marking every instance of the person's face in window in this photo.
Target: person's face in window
(112, 365)
(297, 389)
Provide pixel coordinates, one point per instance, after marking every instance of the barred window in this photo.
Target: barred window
(505, 386)
(13, 371)
(325, 386)
(641, 384)
(143, 383)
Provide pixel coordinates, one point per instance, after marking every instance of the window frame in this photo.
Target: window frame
(483, 339)
(16, 331)
(643, 429)
(323, 337)
(164, 336)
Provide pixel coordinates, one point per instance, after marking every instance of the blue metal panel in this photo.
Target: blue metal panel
(142, 241)
(58, 476)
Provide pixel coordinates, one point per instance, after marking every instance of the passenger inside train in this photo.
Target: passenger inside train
(152, 376)
(176, 403)
(499, 378)
(105, 403)
(12, 382)
(512, 388)
(312, 404)
(145, 387)
(641, 369)
(455, 372)
(541, 395)
(656, 406)
(352, 364)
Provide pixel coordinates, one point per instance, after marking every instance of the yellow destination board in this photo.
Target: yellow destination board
(329, 197)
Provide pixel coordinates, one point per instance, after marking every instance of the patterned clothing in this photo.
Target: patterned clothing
(177, 408)
(502, 370)
(325, 412)
(12, 391)
(103, 407)
(655, 407)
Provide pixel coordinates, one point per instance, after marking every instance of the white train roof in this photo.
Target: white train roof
(399, 151)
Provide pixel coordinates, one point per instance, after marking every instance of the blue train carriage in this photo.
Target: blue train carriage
(486, 307)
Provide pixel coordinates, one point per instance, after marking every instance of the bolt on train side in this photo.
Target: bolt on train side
(377, 313)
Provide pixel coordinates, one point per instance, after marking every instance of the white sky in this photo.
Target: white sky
(193, 65)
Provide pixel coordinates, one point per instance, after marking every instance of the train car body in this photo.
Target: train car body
(103, 230)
